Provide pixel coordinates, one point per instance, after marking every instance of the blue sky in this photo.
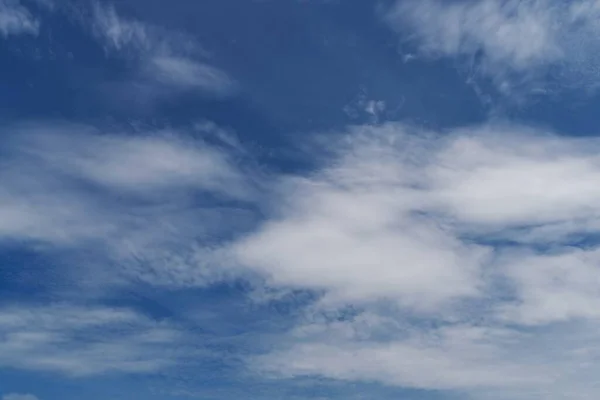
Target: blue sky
(293, 199)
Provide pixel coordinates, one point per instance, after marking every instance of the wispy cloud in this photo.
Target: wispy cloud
(128, 195)
(167, 58)
(80, 341)
(17, 396)
(185, 73)
(491, 35)
(119, 34)
(128, 162)
(16, 19)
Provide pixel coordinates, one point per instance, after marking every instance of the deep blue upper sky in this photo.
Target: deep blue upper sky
(299, 199)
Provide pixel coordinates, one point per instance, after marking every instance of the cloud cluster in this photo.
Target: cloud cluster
(167, 59)
(367, 224)
(459, 254)
(504, 38)
(16, 19)
(463, 260)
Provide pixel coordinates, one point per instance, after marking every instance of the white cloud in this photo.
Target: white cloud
(475, 359)
(387, 219)
(119, 34)
(507, 37)
(456, 254)
(553, 287)
(128, 197)
(496, 28)
(506, 178)
(82, 341)
(185, 73)
(17, 396)
(358, 244)
(142, 162)
(16, 19)
(166, 58)
(446, 358)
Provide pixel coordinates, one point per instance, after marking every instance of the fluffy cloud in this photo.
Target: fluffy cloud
(464, 260)
(406, 215)
(167, 59)
(456, 254)
(491, 34)
(16, 19)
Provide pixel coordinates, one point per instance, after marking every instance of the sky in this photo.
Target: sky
(299, 199)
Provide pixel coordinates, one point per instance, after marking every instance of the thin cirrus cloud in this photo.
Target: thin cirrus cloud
(137, 203)
(15, 19)
(127, 196)
(462, 274)
(168, 59)
(185, 73)
(129, 162)
(559, 36)
(19, 396)
(84, 341)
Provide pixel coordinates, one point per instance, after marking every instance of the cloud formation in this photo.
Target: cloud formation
(185, 73)
(445, 261)
(128, 196)
(503, 38)
(16, 19)
(462, 260)
(82, 341)
(465, 260)
(17, 396)
(397, 194)
(168, 59)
